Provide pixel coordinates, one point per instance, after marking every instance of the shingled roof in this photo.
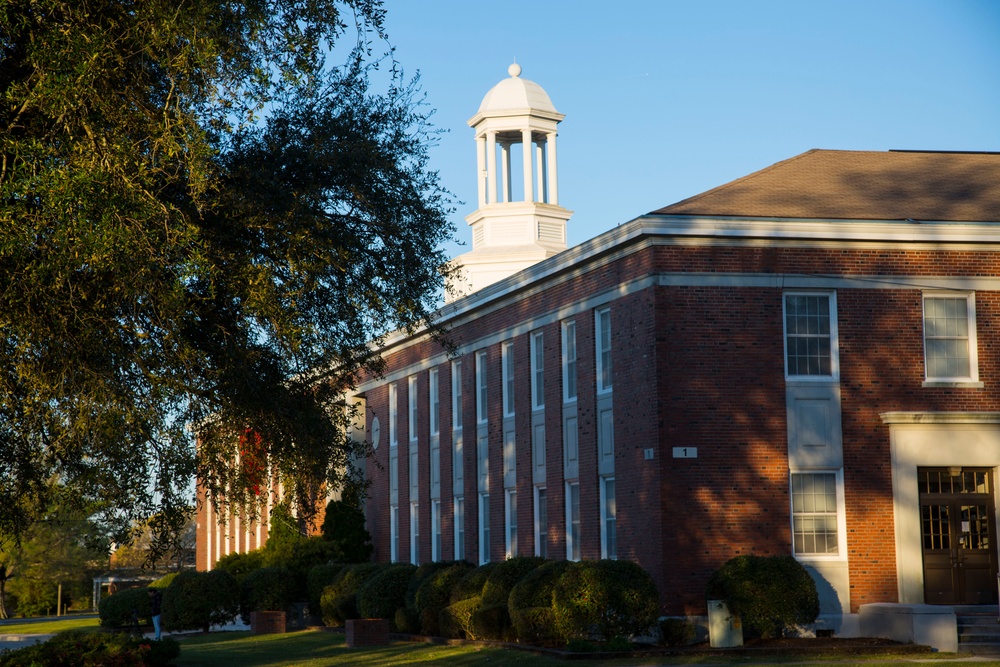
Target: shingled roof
(860, 185)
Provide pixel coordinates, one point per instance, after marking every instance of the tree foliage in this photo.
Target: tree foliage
(200, 220)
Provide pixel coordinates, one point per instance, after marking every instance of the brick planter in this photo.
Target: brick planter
(367, 632)
(267, 622)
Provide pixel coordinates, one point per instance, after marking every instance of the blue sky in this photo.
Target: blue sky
(666, 99)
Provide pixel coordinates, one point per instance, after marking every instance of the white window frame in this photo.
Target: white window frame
(609, 517)
(605, 381)
(971, 338)
(510, 527)
(573, 524)
(484, 528)
(537, 371)
(411, 400)
(436, 530)
(458, 512)
(507, 379)
(569, 356)
(434, 401)
(482, 415)
(414, 533)
(841, 554)
(394, 533)
(833, 336)
(541, 532)
(456, 395)
(393, 416)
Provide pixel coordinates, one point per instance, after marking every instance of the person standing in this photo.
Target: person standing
(155, 602)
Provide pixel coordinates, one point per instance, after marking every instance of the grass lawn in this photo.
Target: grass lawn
(49, 627)
(325, 649)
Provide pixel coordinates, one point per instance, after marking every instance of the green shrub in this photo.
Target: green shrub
(115, 610)
(676, 632)
(491, 622)
(433, 595)
(164, 582)
(197, 600)
(339, 600)
(300, 558)
(344, 526)
(471, 585)
(530, 604)
(94, 649)
(609, 597)
(455, 620)
(406, 620)
(504, 576)
(385, 591)
(266, 589)
(319, 577)
(241, 564)
(770, 593)
(618, 644)
(424, 571)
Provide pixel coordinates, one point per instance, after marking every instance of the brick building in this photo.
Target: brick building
(802, 361)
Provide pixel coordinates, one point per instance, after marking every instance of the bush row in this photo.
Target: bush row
(524, 599)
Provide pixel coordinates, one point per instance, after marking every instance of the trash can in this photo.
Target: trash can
(724, 628)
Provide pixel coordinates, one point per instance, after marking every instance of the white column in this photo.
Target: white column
(209, 533)
(553, 181)
(491, 166)
(541, 194)
(526, 151)
(481, 168)
(505, 169)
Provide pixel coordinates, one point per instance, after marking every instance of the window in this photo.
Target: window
(393, 417)
(434, 402)
(394, 533)
(507, 358)
(412, 402)
(511, 512)
(481, 387)
(603, 336)
(537, 371)
(569, 361)
(414, 535)
(459, 503)
(541, 522)
(484, 528)
(814, 514)
(572, 521)
(456, 395)
(810, 335)
(609, 522)
(950, 337)
(436, 530)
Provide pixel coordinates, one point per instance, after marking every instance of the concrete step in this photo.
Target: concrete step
(979, 648)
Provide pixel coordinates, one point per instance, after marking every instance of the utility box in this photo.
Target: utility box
(724, 628)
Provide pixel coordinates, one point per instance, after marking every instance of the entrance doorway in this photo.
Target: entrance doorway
(957, 530)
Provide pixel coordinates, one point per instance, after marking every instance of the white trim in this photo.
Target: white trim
(599, 316)
(436, 545)
(434, 401)
(566, 327)
(540, 536)
(507, 377)
(394, 533)
(456, 395)
(972, 342)
(482, 392)
(393, 416)
(458, 515)
(834, 374)
(510, 527)
(571, 544)
(602, 482)
(411, 400)
(414, 533)
(537, 351)
(485, 536)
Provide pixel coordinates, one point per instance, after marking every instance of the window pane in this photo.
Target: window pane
(814, 513)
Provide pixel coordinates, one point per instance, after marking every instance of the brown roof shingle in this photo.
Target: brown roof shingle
(860, 185)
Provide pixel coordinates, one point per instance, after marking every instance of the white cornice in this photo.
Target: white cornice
(940, 417)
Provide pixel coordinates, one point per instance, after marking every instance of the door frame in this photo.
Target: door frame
(973, 440)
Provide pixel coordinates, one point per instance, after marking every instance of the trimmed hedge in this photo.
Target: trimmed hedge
(116, 610)
(612, 598)
(385, 591)
(492, 619)
(433, 594)
(266, 589)
(94, 649)
(471, 585)
(241, 564)
(455, 620)
(319, 578)
(339, 601)
(770, 593)
(530, 604)
(198, 600)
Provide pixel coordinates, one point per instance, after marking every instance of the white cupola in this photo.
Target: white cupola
(519, 221)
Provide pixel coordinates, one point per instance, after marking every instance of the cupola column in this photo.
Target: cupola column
(491, 165)
(481, 168)
(528, 157)
(550, 145)
(541, 194)
(505, 170)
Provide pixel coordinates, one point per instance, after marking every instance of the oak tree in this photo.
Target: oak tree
(209, 211)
